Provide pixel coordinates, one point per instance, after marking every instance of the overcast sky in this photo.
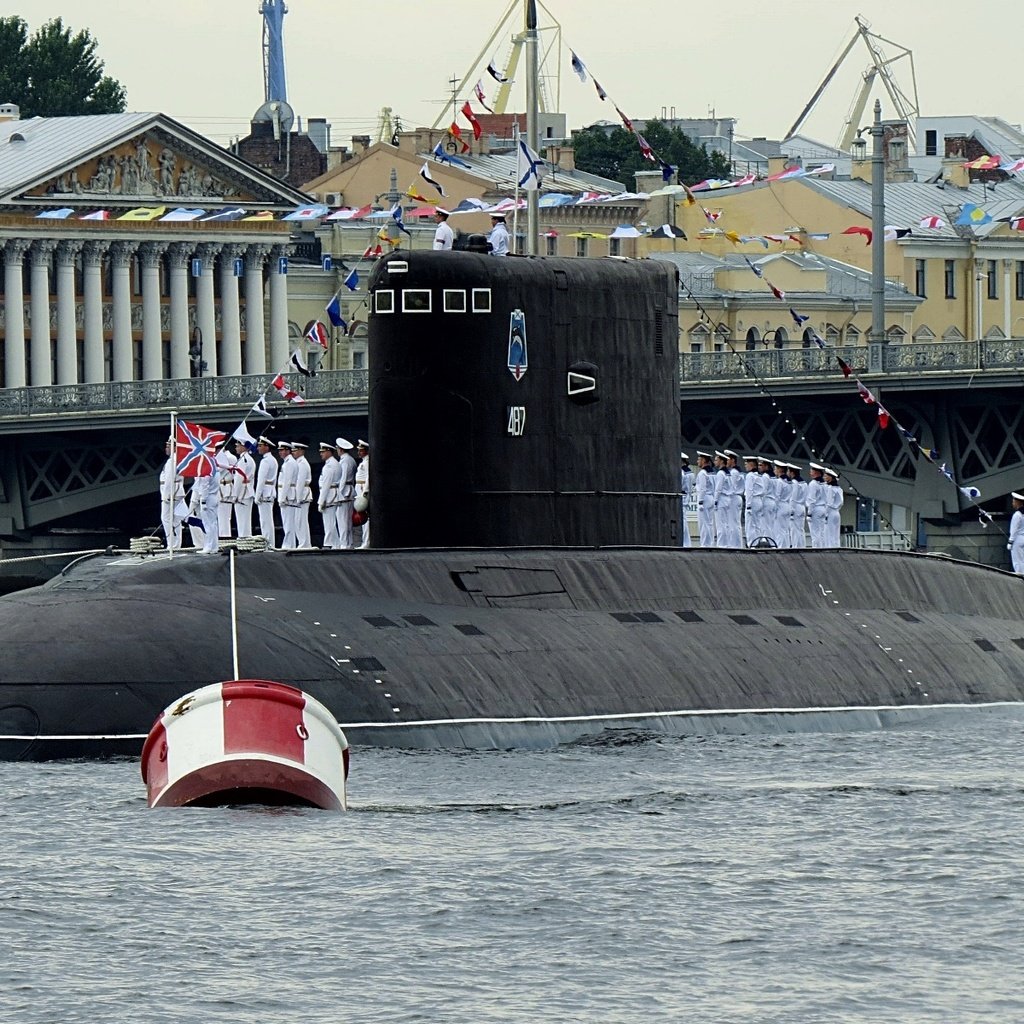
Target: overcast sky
(200, 61)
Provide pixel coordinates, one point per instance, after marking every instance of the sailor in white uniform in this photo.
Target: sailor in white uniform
(686, 482)
(499, 235)
(705, 500)
(816, 508)
(243, 488)
(752, 500)
(833, 503)
(206, 504)
(286, 494)
(1016, 545)
(721, 480)
(303, 494)
(327, 498)
(770, 496)
(346, 492)
(783, 504)
(172, 491)
(363, 487)
(226, 461)
(266, 489)
(444, 237)
(798, 525)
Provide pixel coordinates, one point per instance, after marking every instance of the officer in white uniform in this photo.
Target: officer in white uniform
(243, 488)
(816, 507)
(721, 501)
(206, 504)
(172, 490)
(686, 482)
(1016, 545)
(443, 236)
(266, 489)
(346, 492)
(286, 494)
(705, 500)
(327, 498)
(499, 235)
(303, 494)
(363, 486)
(798, 525)
(833, 504)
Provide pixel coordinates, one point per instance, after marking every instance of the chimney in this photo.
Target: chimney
(894, 148)
(319, 133)
(10, 112)
(778, 164)
(360, 144)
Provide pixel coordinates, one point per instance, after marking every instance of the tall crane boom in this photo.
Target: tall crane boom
(274, 87)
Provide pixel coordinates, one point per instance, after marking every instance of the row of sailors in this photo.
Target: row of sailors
(769, 499)
(237, 484)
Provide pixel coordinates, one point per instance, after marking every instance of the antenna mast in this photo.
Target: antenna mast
(274, 87)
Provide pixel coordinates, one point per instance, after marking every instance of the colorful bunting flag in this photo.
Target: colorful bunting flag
(144, 213)
(316, 333)
(333, 311)
(529, 168)
(973, 216)
(351, 282)
(279, 385)
(494, 73)
(478, 92)
(601, 94)
(933, 222)
(984, 163)
(467, 113)
(577, 66)
(856, 229)
(425, 175)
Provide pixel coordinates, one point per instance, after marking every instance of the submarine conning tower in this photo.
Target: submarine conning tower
(523, 401)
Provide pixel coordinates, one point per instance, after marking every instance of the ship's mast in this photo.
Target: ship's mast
(274, 86)
(532, 195)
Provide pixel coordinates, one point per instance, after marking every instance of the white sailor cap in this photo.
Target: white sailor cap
(831, 472)
(764, 459)
(363, 444)
(705, 455)
(780, 463)
(284, 444)
(729, 453)
(328, 447)
(344, 444)
(720, 455)
(750, 458)
(441, 209)
(299, 444)
(265, 440)
(683, 455)
(1019, 497)
(793, 465)
(814, 465)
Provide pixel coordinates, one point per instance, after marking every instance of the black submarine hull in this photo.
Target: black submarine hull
(504, 648)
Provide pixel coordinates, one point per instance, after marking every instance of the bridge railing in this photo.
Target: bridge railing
(194, 393)
(895, 358)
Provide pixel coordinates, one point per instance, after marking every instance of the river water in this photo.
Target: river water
(870, 877)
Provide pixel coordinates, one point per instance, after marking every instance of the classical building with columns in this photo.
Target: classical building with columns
(109, 271)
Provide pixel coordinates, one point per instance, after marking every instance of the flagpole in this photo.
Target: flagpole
(515, 209)
(234, 614)
(532, 195)
(173, 482)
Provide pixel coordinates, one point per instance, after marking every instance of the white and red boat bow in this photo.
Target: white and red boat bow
(246, 741)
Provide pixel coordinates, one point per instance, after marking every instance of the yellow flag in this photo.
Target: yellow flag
(144, 213)
(733, 236)
(262, 215)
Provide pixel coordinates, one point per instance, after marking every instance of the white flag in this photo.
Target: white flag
(529, 168)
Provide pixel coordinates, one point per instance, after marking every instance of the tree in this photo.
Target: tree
(616, 154)
(54, 72)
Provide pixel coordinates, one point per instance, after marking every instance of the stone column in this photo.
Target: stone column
(206, 313)
(14, 313)
(121, 259)
(178, 255)
(152, 335)
(255, 332)
(41, 355)
(92, 294)
(230, 325)
(278, 310)
(67, 328)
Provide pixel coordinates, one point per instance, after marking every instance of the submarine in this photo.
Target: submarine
(526, 587)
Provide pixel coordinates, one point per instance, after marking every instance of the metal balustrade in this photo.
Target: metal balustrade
(735, 366)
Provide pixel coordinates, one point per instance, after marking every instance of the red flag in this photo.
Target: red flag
(777, 292)
(478, 92)
(196, 448)
(645, 147)
(883, 417)
(865, 394)
(857, 230)
(625, 120)
(844, 366)
(372, 251)
(279, 385)
(467, 113)
(316, 334)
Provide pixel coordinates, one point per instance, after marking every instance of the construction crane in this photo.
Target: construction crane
(274, 87)
(550, 54)
(906, 108)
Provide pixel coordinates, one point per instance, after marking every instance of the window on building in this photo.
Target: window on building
(136, 360)
(931, 142)
(920, 277)
(358, 359)
(581, 246)
(551, 245)
(1020, 279)
(950, 279)
(852, 335)
(753, 337)
(993, 280)
(614, 246)
(895, 335)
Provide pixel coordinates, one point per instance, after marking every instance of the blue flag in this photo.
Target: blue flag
(351, 283)
(449, 158)
(972, 215)
(333, 311)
